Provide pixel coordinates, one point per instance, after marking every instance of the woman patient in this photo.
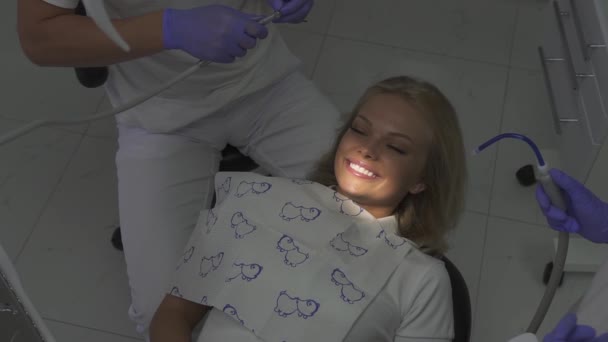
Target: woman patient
(348, 255)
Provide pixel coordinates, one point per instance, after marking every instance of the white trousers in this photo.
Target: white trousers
(592, 309)
(165, 180)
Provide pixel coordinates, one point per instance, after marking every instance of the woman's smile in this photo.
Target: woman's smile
(360, 169)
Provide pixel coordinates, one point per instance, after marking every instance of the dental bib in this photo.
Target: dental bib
(290, 260)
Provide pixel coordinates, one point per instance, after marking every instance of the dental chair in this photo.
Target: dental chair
(461, 302)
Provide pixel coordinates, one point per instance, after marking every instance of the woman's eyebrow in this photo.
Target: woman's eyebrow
(363, 118)
(401, 135)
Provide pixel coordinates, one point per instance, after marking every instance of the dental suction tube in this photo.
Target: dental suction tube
(557, 200)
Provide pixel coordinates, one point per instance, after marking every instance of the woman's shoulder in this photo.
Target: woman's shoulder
(419, 270)
(417, 259)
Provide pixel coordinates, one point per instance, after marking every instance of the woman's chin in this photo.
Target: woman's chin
(356, 187)
(354, 193)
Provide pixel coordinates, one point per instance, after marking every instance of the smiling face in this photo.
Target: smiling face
(382, 156)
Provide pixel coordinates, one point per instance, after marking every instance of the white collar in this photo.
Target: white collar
(388, 223)
(391, 225)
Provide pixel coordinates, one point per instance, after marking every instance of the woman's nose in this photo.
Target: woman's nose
(369, 150)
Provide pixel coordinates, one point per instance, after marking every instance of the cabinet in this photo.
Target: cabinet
(597, 180)
(574, 59)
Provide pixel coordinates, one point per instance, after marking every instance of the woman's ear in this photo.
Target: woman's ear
(418, 188)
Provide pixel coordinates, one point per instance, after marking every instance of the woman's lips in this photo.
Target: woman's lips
(359, 170)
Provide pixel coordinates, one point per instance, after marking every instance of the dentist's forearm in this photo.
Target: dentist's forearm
(52, 36)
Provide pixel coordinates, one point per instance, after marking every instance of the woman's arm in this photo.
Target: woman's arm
(175, 319)
(54, 36)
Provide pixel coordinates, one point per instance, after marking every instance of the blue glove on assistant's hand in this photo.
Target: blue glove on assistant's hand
(585, 214)
(213, 33)
(568, 331)
(292, 11)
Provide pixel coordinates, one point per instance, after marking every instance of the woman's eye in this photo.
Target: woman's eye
(356, 130)
(397, 149)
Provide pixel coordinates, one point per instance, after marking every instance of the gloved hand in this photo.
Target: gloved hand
(585, 214)
(292, 11)
(213, 33)
(568, 331)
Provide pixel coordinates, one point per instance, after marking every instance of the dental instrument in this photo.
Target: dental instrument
(558, 201)
(97, 11)
(105, 24)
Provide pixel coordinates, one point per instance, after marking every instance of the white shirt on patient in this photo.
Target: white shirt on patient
(414, 305)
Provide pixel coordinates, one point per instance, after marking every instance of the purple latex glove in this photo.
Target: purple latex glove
(292, 11)
(585, 214)
(213, 33)
(568, 331)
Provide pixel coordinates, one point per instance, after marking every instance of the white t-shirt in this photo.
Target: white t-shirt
(208, 89)
(414, 306)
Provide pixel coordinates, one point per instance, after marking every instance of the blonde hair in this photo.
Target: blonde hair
(426, 217)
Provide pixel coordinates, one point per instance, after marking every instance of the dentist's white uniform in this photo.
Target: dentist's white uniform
(170, 146)
(592, 309)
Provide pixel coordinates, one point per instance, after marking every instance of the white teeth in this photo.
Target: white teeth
(362, 170)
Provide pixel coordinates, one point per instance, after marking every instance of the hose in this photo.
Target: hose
(563, 239)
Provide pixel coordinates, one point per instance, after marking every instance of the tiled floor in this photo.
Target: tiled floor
(58, 186)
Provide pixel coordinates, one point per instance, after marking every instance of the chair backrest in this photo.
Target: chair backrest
(461, 302)
(234, 160)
